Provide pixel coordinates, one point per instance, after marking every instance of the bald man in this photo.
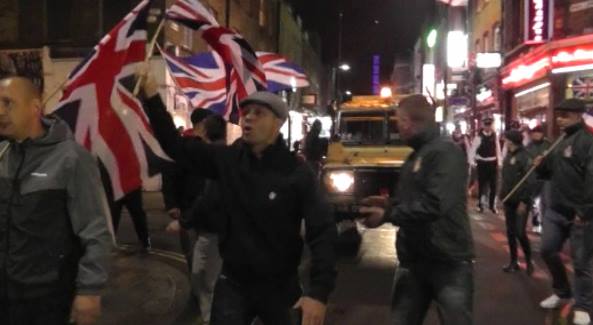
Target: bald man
(54, 237)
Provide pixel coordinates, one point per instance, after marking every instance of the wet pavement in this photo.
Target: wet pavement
(154, 289)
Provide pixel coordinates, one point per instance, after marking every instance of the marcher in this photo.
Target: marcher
(54, 237)
(460, 139)
(181, 186)
(538, 144)
(434, 239)
(485, 155)
(133, 203)
(202, 216)
(314, 147)
(266, 194)
(570, 170)
(516, 165)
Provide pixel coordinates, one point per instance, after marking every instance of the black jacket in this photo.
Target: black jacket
(536, 149)
(430, 205)
(206, 213)
(265, 201)
(515, 166)
(570, 169)
(181, 185)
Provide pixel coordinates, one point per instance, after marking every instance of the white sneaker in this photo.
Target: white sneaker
(581, 318)
(552, 302)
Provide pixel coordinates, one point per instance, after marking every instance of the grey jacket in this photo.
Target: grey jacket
(54, 235)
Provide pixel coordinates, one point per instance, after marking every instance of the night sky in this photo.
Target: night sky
(399, 23)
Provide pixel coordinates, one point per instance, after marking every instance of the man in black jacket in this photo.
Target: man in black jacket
(570, 170)
(181, 185)
(537, 146)
(515, 166)
(434, 240)
(267, 193)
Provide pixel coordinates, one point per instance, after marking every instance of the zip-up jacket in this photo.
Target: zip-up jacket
(430, 205)
(515, 166)
(54, 237)
(570, 169)
(264, 202)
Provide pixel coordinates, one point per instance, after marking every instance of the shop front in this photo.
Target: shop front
(534, 83)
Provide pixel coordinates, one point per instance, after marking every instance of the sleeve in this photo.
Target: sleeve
(473, 150)
(170, 186)
(544, 170)
(320, 235)
(586, 209)
(527, 190)
(445, 179)
(499, 155)
(201, 156)
(90, 218)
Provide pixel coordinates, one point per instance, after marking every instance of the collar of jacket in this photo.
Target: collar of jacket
(424, 137)
(56, 131)
(276, 154)
(573, 129)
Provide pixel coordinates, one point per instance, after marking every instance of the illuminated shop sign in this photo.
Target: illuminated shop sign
(538, 18)
(563, 60)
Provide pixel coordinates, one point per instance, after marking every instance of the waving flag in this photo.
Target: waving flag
(104, 115)
(202, 77)
(191, 13)
(282, 74)
(244, 74)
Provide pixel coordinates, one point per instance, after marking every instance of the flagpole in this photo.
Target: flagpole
(149, 54)
(53, 93)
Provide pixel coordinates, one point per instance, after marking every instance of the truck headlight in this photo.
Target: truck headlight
(340, 181)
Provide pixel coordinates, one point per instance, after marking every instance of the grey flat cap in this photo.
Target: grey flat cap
(269, 100)
(572, 105)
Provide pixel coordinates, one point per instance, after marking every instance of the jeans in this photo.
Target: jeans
(487, 173)
(450, 285)
(237, 303)
(51, 310)
(516, 224)
(558, 229)
(206, 267)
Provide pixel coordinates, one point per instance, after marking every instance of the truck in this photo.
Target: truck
(364, 156)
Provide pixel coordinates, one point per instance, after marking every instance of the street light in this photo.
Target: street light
(344, 67)
(348, 93)
(386, 92)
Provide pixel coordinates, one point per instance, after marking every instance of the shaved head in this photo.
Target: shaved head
(20, 109)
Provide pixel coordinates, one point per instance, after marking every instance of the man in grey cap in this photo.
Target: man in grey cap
(267, 193)
(570, 171)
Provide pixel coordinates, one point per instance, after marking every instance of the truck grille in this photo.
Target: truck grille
(375, 181)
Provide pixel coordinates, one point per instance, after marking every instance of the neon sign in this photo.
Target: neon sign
(559, 61)
(538, 28)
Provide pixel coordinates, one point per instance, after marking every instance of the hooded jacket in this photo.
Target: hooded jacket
(430, 205)
(54, 237)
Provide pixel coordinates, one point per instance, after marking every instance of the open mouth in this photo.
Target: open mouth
(247, 129)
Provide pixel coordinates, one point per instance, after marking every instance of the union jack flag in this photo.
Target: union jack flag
(202, 78)
(102, 111)
(191, 13)
(243, 72)
(582, 87)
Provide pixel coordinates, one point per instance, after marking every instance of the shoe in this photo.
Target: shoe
(581, 318)
(494, 210)
(552, 302)
(537, 229)
(529, 269)
(480, 210)
(511, 268)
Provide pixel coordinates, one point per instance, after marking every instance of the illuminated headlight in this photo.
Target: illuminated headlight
(340, 181)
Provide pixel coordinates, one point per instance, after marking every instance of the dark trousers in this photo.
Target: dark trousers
(487, 173)
(450, 286)
(52, 310)
(556, 230)
(133, 202)
(516, 224)
(240, 303)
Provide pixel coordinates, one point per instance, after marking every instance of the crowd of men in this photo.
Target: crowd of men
(248, 201)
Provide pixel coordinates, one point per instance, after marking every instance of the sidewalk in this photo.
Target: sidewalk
(148, 288)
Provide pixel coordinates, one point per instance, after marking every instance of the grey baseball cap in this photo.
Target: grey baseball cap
(271, 101)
